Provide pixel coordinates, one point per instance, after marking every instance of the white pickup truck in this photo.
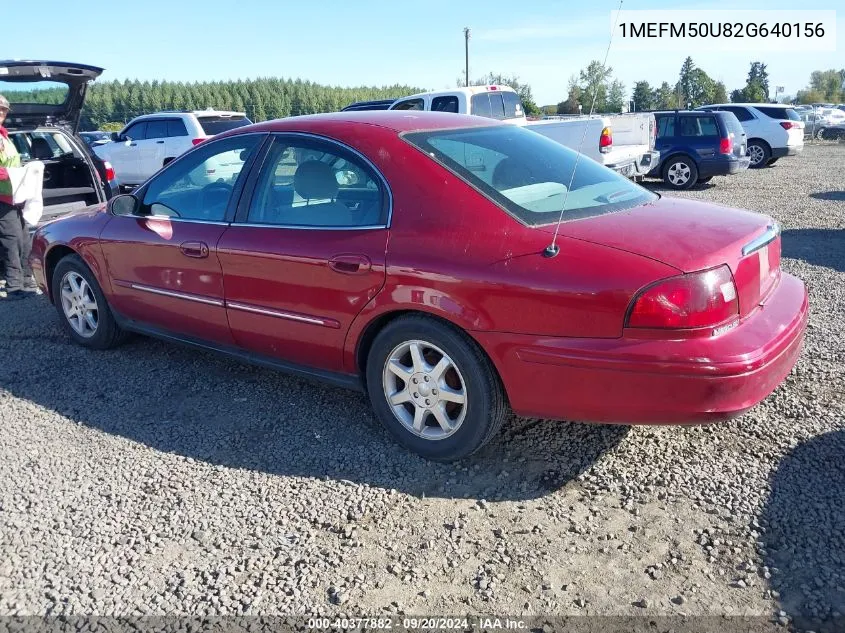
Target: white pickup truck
(622, 142)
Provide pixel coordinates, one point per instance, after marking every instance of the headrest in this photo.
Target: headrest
(510, 173)
(315, 180)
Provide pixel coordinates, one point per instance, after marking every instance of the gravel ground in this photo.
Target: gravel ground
(157, 480)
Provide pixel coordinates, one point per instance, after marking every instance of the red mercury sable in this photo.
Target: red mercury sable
(451, 266)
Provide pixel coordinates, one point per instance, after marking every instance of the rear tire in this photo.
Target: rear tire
(760, 153)
(457, 403)
(680, 173)
(84, 312)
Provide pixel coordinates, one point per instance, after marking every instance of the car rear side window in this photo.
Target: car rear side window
(212, 125)
(698, 125)
(665, 126)
(528, 174)
(781, 114)
(312, 183)
(176, 127)
(156, 129)
(410, 104)
(444, 104)
(741, 113)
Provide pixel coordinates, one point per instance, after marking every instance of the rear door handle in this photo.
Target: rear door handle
(194, 249)
(159, 141)
(350, 264)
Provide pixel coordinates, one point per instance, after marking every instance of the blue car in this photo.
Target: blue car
(694, 146)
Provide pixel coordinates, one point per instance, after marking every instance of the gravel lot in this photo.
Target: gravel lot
(157, 480)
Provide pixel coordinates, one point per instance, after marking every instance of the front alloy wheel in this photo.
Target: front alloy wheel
(79, 304)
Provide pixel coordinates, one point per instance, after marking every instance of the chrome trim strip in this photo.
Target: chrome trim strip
(310, 228)
(171, 219)
(281, 315)
(176, 295)
(772, 231)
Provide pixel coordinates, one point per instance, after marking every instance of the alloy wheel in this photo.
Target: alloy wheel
(425, 390)
(79, 304)
(678, 173)
(756, 153)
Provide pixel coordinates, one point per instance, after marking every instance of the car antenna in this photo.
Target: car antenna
(553, 249)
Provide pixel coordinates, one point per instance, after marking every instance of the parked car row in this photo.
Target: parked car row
(684, 148)
(823, 123)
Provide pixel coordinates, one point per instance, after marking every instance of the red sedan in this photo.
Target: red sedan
(450, 266)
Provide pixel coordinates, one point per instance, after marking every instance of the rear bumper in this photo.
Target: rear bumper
(638, 166)
(789, 150)
(723, 166)
(647, 381)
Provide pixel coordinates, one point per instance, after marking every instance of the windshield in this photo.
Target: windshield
(34, 92)
(528, 174)
(212, 125)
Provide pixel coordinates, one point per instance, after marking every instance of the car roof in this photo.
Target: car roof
(751, 105)
(197, 113)
(396, 120)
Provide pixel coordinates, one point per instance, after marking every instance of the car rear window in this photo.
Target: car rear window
(212, 125)
(528, 174)
(781, 114)
(732, 124)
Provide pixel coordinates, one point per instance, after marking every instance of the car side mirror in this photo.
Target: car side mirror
(125, 204)
(114, 136)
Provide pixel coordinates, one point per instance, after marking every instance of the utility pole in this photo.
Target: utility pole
(466, 49)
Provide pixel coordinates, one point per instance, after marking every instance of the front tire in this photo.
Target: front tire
(434, 389)
(82, 306)
(680, 173)
(760, 154)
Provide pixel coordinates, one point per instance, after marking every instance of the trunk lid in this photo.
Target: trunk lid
(43, 93)
(693, 236)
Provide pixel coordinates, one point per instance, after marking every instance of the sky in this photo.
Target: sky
(376, 42)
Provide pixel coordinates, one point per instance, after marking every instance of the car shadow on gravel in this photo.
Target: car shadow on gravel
(200, 406)
(836, 196)
(819, 247)
(803, 542)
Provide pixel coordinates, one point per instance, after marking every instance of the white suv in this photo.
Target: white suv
(773, 130)
(150, 141)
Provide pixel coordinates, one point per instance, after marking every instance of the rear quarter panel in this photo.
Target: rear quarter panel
(78, 232)
(455, 254)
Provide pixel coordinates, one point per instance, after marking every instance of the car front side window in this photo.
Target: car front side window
(200, 185)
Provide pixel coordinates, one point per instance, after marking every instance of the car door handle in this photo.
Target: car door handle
(194, 249)
(133, 144)
(159, 141)
(350, 264)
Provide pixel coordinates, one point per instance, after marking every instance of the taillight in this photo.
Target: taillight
(696, 300)
(109, 171)
(788, 125)
(725, 146)
(605, 141)
(197, 141)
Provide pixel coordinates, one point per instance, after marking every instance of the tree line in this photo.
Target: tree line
(111, 104)
(594, 88)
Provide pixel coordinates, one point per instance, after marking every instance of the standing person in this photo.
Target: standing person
(14, 237)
